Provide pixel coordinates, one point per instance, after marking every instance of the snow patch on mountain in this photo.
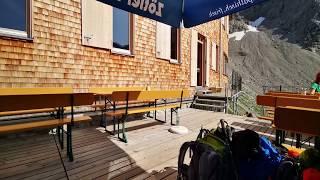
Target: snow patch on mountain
(252, 27)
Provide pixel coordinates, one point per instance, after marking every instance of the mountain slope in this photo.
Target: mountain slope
(284, 52)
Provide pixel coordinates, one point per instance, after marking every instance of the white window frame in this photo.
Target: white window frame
(176, 61)
(6, 32)
(130, 36)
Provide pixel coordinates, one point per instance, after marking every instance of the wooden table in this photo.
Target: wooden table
(308, 104)
(300, 120)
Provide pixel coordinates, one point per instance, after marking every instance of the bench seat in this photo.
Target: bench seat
(40, 124)
(266, 118)
(140, 110)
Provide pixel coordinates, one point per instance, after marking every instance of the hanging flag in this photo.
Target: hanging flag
(201, 11)
(165, 11)
(190, 12)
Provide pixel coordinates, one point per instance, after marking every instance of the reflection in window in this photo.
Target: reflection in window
(121, 29)
(174, 43)
(13, 16)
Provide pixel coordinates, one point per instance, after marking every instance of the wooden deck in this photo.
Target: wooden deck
(151, 152)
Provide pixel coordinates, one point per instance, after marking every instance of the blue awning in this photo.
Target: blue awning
(190, 12)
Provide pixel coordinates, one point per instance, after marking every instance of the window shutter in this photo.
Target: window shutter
(163, 41)
(96, 24)
(214, 56)
(208, 60)
(227, 24)
(194, 57)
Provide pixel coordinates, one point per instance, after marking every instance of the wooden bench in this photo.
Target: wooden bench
(28, 103)
(145, 96)
(300, 120)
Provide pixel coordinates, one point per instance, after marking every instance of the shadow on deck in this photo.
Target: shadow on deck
(151, 151)
(97, 156)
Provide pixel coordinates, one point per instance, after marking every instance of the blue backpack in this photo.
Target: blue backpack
(255, 156)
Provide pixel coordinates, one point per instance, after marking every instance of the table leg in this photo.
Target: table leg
(278, 137)
(298, 140)
(317, 143)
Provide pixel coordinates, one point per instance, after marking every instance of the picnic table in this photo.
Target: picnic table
(144, 101)
(30, 101)
(299, 111)
(105, 94)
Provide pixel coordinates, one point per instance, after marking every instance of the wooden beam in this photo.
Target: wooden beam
(292, 95)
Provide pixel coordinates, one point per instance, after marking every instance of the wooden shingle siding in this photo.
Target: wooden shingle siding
(57, 58)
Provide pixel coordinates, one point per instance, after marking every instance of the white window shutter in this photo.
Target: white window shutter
(227, 24)
(163, 41)
(96, 24)
(194, 57)
(214, 56)
(208, 60)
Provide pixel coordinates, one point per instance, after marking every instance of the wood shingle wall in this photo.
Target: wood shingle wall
(57, 58)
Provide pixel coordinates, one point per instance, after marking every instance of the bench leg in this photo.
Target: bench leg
(114, 125)
(118, 121)
(165, 115)
(171, 115)
(177, 116)
(149, 113)
(60, 136)
(123, 129)
(113, 132)
(69, 143)
(165, 118)
(103, 122)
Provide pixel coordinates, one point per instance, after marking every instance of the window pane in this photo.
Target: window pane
(174, 43)
(13, 14)
(120, 29)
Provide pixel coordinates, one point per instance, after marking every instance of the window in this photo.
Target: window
(15, 18)
(174, 43)
(167, 43)
(104, 26)
(121, 29)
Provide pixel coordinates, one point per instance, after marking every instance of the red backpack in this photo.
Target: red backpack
(311, 174)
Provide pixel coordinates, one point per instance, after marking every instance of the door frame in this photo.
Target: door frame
(202, 41)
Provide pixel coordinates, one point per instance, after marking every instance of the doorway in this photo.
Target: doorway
(200, 61)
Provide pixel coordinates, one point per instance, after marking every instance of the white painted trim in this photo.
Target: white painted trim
(12, 32)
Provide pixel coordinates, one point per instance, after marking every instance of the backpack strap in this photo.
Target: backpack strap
(183, 150)
(226, 130)
(202, 133)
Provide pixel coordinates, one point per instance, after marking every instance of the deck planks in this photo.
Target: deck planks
(151, 152)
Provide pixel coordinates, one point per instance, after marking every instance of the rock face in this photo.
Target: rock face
(293, 20)
(285, 51)
(263, 60)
